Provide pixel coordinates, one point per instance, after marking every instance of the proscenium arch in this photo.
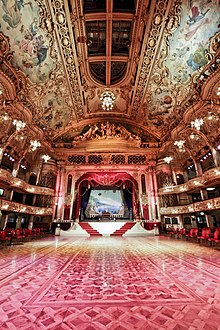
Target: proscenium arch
(107, 178)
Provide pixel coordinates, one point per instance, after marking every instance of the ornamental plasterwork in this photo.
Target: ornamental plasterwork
(196, 207)
(151, 46)
(68, 51)
(106, 131)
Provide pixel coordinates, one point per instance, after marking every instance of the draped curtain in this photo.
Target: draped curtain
(85, 194)
(128, 197)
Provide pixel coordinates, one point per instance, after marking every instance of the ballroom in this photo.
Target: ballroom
(109, 164)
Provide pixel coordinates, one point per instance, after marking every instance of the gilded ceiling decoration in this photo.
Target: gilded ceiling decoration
(156, 57)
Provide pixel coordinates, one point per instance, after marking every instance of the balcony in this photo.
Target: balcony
(8, 178)
(9, 206)
(206, 205)
(210, 176)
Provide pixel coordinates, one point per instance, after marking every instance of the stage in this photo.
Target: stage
(105, 228)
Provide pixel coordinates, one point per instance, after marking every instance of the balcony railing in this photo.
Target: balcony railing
(7, 177)
(199, 182)
(21, 208)
(206, 205)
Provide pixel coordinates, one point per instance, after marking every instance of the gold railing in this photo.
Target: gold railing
(206, 205)
(21, 208)
(13, 182)
(200, 182)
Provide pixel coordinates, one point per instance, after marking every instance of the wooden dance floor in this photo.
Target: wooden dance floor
(110, 283)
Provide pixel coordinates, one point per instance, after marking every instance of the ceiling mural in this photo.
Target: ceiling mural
(32, 54)
(183, 52)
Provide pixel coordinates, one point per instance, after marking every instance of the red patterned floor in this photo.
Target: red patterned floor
(109, 283)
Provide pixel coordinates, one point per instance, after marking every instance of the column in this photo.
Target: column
(31, 222)
(1, 154)
(141, 216)
(216, 156)
(152, 203)
(209, 220)
(156, 196)
(198, 168)
(18, 222)
(60, 194)
(204, 194)
(72, 195)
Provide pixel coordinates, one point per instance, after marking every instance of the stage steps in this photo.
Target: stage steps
(123, 229)
(91, 231)
(107, 229)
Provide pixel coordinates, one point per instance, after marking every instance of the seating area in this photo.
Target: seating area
(205, 236)
(18, 236)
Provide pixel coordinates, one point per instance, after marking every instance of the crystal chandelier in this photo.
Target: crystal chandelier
(34, 144)
(107, 98)
(197, 123)
(4, 117)
(179, 144)
(46, 158)
(168, 159)
(19, 124)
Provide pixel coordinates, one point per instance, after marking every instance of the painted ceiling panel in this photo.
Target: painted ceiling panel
(148, 53)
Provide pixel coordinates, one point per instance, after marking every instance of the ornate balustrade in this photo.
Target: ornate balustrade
(8, 178)
(200, 182)
(206, 205)
(21, 208)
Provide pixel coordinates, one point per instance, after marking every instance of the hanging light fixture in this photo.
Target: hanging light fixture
(197, 123)
(180, 144)
(34, 144)
(4, 116)
(107, 98)
(19, 124)
(168, 159)
(46, 158)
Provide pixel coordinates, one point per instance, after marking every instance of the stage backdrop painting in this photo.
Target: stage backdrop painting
(105, 200)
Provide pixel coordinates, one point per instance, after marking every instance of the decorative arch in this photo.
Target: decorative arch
(106, 180)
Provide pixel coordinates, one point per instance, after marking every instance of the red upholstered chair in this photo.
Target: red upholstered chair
(182, 233)
(5, 238)
(216, 237)
(193, 233)
(205, 235)
(17, 235)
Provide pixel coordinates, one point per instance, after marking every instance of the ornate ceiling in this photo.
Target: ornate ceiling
(160, 59)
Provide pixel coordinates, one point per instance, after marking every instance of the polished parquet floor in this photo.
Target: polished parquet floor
(109, 283)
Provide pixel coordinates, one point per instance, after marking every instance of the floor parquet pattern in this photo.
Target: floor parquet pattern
(110, 283)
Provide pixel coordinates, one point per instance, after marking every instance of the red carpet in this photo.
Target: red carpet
(111, 283)
(123, 229)
(92, 232)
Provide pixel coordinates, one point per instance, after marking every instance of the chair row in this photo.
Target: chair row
(13, 236)
(205, 235)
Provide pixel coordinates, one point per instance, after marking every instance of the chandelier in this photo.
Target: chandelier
(46, 158)
(168, 159)
(197, 123)
(107, 98)
(4, 116)
(179, 144)
(34, 144)
(19, 124)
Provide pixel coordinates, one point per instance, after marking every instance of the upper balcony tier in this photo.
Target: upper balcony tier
(20, 185)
